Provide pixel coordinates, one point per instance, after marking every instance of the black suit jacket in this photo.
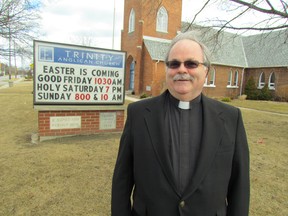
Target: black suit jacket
(220, 185)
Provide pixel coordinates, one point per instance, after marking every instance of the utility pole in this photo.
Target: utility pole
(10, 38)
(113, 26)
(15, 59)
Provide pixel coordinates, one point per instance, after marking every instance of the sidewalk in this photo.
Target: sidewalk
(131, 98)
(6, 85)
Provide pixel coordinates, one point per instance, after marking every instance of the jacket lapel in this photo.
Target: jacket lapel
(158, 131)
(211, 137)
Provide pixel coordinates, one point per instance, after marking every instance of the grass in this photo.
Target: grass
(268, 106)
(268, 138)
(72, 176)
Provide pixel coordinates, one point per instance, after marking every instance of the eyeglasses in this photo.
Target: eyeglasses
(189, 64)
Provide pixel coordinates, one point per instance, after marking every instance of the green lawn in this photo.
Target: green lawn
(72, 176)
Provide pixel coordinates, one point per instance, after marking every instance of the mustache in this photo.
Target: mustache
(183, 77)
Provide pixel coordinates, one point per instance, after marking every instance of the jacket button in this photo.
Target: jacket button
(182, 204)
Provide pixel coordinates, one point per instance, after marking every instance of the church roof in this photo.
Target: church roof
(157, 47)
(261, 50)
(267, 50)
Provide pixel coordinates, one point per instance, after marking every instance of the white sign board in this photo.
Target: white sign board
(70, 74)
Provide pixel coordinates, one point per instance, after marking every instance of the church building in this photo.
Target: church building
(149, 27)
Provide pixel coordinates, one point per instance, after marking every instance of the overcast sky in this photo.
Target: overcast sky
(91, 21)
(67, 21)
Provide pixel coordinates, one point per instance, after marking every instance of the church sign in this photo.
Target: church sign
(67, 74)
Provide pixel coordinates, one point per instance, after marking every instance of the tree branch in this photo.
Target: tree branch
(194, 18)
(256, 29)
(254, 7)
(271, 6)
(227, 23)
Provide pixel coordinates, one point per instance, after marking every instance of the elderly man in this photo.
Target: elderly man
(182, 153)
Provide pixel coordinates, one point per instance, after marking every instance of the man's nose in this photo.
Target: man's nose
(182, 68)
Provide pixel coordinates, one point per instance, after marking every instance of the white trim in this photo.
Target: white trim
(156, 39)
(210, 86)
(232, 87)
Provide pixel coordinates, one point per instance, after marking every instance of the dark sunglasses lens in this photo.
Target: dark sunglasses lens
(191, 64)
(173, 64)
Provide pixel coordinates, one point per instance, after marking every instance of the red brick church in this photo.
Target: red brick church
(149, 28)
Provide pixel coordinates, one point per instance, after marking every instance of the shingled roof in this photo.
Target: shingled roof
(267, 50)
(157, 47)
(261, 50)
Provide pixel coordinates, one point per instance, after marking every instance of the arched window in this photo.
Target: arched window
(236, 75)
(261, 82)
(131, 21)
(162, 20)
(271, 83)
(230, 75)
(210, 78)
(132, 75)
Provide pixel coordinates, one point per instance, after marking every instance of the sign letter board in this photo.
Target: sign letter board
(67, 74)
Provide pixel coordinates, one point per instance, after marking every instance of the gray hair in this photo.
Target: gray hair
(190, 36)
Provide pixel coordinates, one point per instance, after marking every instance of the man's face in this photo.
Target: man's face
(185, 88)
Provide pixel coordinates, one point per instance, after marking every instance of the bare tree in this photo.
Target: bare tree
(274, 13)
(83, 40)
(19, 18)
(18, 26)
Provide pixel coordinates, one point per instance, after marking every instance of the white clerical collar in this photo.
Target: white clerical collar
(184, 105)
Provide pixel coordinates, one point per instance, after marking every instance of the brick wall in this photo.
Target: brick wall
(152, 73)
(90, 122)
(221, 88)
(281, 79)
(145, 25)
(149, 16)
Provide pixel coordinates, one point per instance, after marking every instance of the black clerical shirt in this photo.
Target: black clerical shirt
(185, 132)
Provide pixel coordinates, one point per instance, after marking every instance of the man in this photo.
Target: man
(182, 153)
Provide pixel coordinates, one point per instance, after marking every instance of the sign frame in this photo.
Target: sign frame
(67, 74)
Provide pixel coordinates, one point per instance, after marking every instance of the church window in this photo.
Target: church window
(236, 75)
(131, 21)
(233, 79)
(162, 20)
(271, 84)
(261, 82)
(230, 75)
(210, 78)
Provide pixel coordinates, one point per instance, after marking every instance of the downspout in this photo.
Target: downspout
(155, 71)
(241, 84)
(243, 70)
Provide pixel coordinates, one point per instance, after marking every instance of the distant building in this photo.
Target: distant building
(148, 30)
